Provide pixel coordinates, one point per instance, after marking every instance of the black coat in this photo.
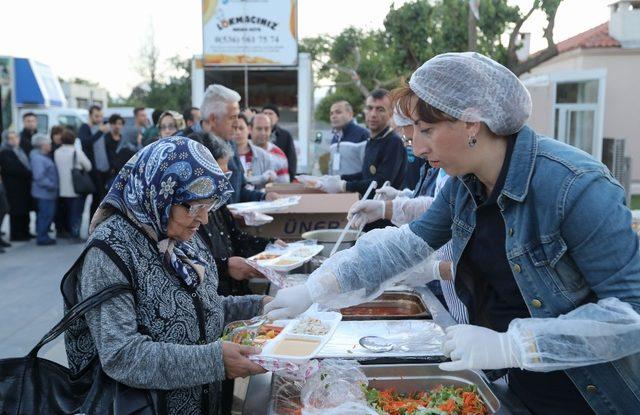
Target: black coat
(225, 239)
(284, 140)
(25, 140)
(17, 182)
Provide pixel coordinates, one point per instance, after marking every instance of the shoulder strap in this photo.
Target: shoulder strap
(70, 279)
(78, 311)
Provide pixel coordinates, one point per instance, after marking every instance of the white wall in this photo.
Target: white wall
(621, 117)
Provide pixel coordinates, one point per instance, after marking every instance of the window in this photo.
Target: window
(576, 113)
(70, 121)
(43, 123)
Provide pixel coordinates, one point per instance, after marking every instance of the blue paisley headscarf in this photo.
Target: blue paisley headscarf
(168, 172)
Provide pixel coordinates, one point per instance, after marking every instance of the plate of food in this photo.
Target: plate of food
(251, 333)
(265, 206)
(303, 337)
(285, 259)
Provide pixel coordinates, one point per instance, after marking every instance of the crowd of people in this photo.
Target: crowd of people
(526, 240)
(42, 173)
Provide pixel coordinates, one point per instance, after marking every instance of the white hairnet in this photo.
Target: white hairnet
(471, 87)
(400, 119)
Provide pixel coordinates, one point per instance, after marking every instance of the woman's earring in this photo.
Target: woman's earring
(472, 141)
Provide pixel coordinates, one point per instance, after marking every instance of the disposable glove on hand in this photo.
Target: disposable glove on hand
(473, 347)
(331, 184)
(366, 211)
(390, 193)
(289, 302)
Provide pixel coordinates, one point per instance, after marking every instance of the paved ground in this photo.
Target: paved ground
(30, 299)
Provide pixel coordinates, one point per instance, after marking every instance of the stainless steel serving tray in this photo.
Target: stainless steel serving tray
(396, 305)
(421, 377)
(404, 378)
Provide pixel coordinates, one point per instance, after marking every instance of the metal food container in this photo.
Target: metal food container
(405, 378)
(422, 377)
(391, 305)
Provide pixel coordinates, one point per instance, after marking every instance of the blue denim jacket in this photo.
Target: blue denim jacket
(569, 241)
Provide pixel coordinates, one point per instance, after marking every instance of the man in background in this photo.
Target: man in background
(260, 134)
(91, 136)
(282, 138)
(348, 142)
(192, 120)
(29, 128)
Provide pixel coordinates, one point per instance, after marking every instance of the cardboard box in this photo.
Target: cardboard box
(291, 189)
(315, 211)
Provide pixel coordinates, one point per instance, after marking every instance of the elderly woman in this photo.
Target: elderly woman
(44, 187)
(164, 336)
(167, 124)
(16, 176)
(546, 260)
(227, 242)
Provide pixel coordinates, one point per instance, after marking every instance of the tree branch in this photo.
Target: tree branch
(512, 57)
(519, 68)
(355, 77)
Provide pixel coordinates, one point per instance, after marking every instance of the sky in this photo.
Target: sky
(100, 41)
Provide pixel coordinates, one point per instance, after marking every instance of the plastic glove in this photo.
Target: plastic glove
(331, 184)
(405, 210)
(390, 193)
(289, 302)
(473, 347)
(366, 211)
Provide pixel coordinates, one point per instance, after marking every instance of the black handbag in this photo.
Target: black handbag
(33, 385)
(82, 183)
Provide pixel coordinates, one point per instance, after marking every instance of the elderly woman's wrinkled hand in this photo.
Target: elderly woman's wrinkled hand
(240, 270)
(236, 362)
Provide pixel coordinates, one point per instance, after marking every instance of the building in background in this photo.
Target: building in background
(84, 96)
(587, 95)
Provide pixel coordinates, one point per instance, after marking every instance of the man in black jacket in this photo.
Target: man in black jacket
(385, 158)
(29, 128)
(282, 138)
(93, 144)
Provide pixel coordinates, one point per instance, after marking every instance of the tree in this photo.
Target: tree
(172, 93)
(550, 8)
(168, 89)
(148, 58)
(356, 61)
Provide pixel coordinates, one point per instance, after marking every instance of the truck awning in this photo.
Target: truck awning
(36, 84)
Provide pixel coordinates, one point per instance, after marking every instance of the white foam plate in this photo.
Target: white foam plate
(328, 318)
(289, 259)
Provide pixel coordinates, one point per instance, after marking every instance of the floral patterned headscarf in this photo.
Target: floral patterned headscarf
(170, 171)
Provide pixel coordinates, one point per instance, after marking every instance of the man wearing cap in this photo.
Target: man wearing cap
(282, 138)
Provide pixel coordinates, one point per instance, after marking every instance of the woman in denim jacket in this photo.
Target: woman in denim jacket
(546, 260)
